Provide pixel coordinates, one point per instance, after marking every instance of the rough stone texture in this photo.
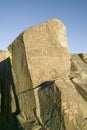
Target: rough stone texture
(78, 77)
(74, 107)
(22, 81)
(37, 56)
(6, 84)
(45, 87)
(16, 107)
(20, 69)
(78, 67)
(49, 111)
(45, 47)
(3, 55)
(83, 57)
(3, 67)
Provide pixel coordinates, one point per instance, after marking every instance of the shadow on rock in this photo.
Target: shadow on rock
(8, 120)
(50, 106)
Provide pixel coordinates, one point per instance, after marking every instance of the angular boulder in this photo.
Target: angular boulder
(45, 86)
(44, 50)
(39, 54)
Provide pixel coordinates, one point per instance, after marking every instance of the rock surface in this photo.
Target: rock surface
(78, 67)
(73, 105)
(83, 57)
(45, 49)
(45, 86)
(3, 55)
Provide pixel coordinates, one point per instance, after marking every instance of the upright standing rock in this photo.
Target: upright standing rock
(34, 79)
(45, 50)
(38, 55)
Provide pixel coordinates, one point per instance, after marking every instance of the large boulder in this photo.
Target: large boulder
(43, 86)
(44, 50)
(37, 55)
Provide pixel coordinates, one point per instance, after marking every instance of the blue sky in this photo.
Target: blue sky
(18, 15)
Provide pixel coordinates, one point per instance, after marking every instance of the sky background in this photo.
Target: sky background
(18, 15)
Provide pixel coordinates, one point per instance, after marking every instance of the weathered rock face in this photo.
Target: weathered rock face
(4, 65)
(45, 49)
(37, 56)
(3, 55)
(73, 105)
(78, 67)
(45, 87)
(48, 108)
(79, 80)
(83, 57)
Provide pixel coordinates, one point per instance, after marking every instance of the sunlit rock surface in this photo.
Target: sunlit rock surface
(42, 85)
(45, 49)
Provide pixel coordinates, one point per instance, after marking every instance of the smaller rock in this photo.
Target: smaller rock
(83, 57)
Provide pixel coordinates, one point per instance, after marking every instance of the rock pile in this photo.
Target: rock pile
(46, 86)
